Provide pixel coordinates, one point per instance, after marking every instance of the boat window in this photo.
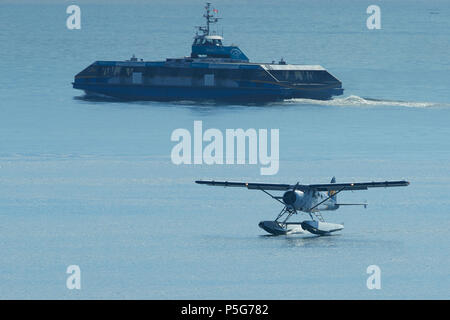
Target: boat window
(127, 71)
(298, 75)
(91, 70)
(107, 70)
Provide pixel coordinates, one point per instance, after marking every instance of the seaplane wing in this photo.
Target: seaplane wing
(248, 185)
(355, 185)
(303, 187)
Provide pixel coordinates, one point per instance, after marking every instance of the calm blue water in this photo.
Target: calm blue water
(91, 183)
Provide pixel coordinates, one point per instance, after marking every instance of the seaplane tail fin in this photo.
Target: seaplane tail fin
(332, 193)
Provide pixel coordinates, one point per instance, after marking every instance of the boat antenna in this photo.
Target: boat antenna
(209, 19)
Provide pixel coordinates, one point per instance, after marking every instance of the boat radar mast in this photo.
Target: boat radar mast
(209, 19)
(207, 45)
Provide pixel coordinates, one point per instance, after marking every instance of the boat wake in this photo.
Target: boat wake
(355, 101)
(350, 101)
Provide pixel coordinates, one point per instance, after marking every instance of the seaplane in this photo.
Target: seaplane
(310, 199)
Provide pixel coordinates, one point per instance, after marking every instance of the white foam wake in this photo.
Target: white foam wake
(353, 100)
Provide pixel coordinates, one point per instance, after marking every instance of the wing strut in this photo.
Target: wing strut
(273, 197)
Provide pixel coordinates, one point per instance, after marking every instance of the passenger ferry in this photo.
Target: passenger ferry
(213, 71)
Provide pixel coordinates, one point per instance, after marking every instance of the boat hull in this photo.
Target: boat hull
(177, 93)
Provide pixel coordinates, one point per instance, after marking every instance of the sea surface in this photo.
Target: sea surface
(91, 183)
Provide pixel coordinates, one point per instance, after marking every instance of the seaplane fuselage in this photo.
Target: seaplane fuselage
(304, 200)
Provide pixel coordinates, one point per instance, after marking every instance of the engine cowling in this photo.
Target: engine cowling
(295, 199)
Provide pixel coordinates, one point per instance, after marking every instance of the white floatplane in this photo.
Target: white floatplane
(311, 199)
